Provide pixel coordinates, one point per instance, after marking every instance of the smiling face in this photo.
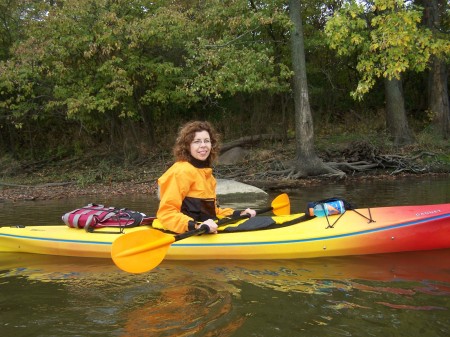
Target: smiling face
(192, 143)
(201, 145)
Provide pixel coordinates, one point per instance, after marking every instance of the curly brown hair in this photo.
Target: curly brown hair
(186, 134)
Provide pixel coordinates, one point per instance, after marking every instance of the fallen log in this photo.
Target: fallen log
(248, 140)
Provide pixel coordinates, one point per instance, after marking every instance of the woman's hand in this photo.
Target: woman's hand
(249, 211)
(212, 225)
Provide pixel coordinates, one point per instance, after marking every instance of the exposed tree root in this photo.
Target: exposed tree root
(356, 158)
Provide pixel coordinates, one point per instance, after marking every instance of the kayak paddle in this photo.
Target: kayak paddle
(143, 250)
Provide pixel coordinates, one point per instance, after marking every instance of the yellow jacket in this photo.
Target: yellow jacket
(188, 195)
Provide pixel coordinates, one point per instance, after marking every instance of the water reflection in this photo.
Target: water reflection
(229, 298)
(289, 275)
(185, 310)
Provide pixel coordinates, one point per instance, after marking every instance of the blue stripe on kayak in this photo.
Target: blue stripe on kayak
(55, 240)
(410, 223)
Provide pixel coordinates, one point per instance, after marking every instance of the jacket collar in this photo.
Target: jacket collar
(199, 163)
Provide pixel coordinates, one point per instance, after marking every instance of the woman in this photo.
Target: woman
(188, 187)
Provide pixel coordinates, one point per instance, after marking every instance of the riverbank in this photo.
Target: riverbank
(262, 166)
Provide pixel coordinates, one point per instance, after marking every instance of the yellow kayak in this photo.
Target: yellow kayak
(355, 232)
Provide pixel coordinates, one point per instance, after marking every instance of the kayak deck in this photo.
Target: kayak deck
(392, 229)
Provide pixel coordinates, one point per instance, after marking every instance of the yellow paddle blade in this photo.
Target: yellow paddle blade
(281, 205)
(140, 251)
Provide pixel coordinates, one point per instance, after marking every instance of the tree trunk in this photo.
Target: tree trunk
(438, 102)
(396, 121)
(306, 162)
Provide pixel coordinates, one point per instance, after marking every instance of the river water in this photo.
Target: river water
(404, 294)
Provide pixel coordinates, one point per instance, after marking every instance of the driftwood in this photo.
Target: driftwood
(248, 140)
(359, 166)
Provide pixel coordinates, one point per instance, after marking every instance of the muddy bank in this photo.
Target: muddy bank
(261, 167)
(46, 192)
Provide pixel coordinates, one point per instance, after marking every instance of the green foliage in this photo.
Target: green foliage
(119, 75)
(100, 57)
(387, 37)
(102, 62)
(231, 54)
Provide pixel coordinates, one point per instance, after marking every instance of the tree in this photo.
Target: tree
(438, 101)
(307, 163)
(396, 120)
(230, 57)
(388, 40)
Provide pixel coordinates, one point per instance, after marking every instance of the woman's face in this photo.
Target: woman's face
(201, 145)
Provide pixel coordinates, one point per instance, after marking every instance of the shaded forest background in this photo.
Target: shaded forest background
(109, 82)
